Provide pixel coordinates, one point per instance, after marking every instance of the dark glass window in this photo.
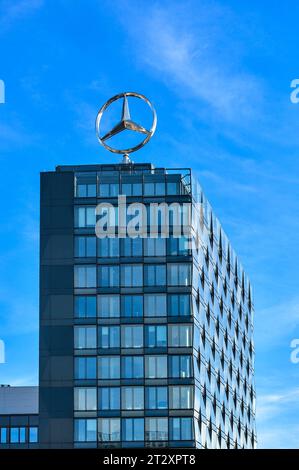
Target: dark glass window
(156, 367)
(132, 306)
(109, 306)
(180, 366)
(155, 275)
(109, 429)
(85, 306)
(85, 247)
(133, 429)
(132, 367)
(109, 337)
(109, 398)
(179, 336)
(108, 247)
(132, 398)
(108, 189)
(3, 435)
(85, 430)
(85, 399)
(85, 276)
(109, 367)
(155, 305)
(155, 246)
(132, 246)
(156, 429)
(132, 336)
(181, 397)
(178, 246)
(132, 189)
(154, 189)
(86, 185)
(131, 275)
(85, 368)
(156, 398)
(85, 217)
(33, 435)
(155, 336)
(108, 276)
(17, 435)
(179, 274)
(179, 305)
(85, 337)
(181, 429)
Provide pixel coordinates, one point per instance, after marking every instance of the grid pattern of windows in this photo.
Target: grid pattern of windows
(163, 333)
(13, 435)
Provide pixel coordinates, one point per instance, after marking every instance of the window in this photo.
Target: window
(178, 246)
(155, 336)
(179, 305)
(109, 367)
(156, 429)
(109, 276)
(33, 435)
(108, 189)
(17, 435)
(155, 246)
(132, 189)
(132, 246)
(156, 398)
(109, 337)
(131, 336)
(179, 336)
(85, 368)
(133, 429)
(85, 399)
(109, 306)
(85, 430)
(132, 367)
(181, 397)
(154, 189)
(132, 306)
(155, 275)
(173, 188)
(109, 429)
(85, 306)
(108, 247)
(85, 247)
(85, 217)
(86, 185)
(156, 367)
(131, 275)
(85, 337)
(3, 435)
(85, 276)
(132, 398)
(179, 274)
(180, 366)
(109, 398)
(181, 429)
(155, 305)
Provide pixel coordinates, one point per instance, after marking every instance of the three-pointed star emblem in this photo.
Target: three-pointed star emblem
(125, 123)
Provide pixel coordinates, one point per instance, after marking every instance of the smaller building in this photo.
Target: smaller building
(18, 417)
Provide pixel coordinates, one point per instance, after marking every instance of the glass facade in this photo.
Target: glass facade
(163, 347)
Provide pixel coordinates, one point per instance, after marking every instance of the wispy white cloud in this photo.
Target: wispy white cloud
(285, 317)
(15, 10)
(189, 53)
(276, 427)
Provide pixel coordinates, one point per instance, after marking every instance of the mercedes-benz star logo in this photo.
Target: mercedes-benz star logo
(125, 123)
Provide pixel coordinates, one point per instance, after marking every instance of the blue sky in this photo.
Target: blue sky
(219, 74)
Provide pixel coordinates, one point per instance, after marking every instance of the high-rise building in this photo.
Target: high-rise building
(144, 341)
